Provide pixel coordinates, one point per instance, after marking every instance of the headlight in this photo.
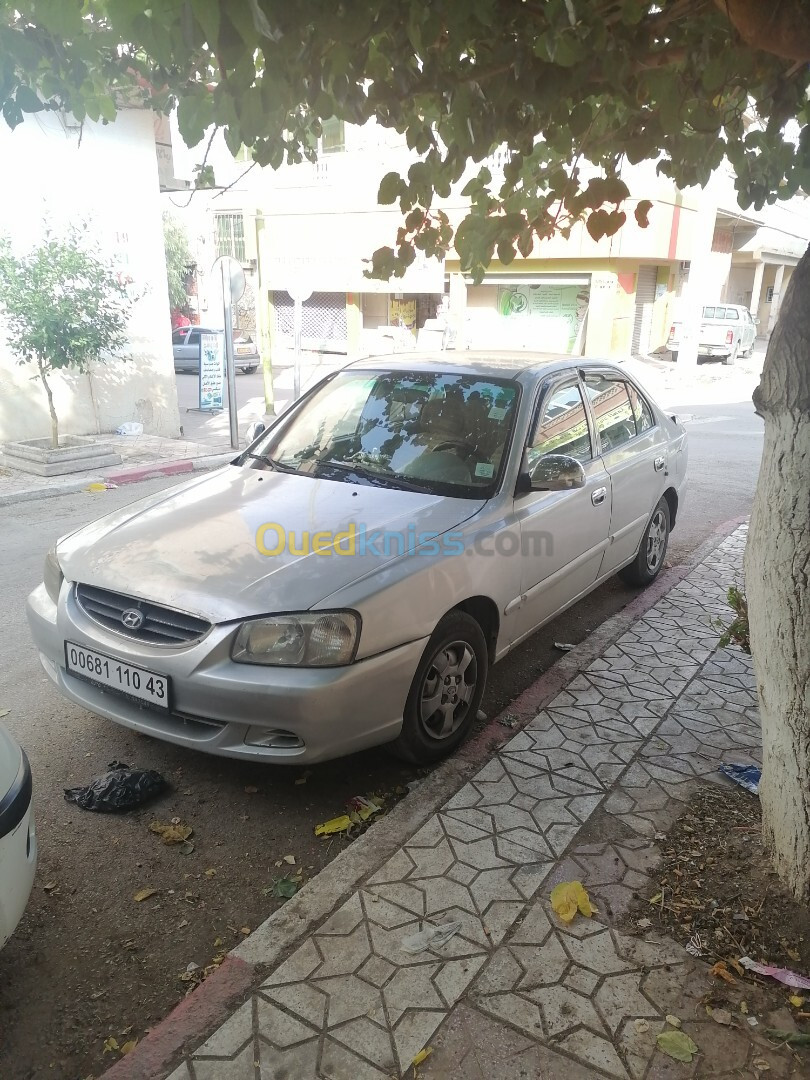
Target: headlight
(52, 575)
(318, 639)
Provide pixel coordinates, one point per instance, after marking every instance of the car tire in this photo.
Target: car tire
(457, 651)
(652, 550)
(250, 370)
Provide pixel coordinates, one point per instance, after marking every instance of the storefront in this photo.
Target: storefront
(545, 312)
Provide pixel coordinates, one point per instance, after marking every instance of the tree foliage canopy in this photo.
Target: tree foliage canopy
(179, 260)
(561, 83)
(62, 305)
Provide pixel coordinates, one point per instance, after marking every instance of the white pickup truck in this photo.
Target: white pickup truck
(726, 332)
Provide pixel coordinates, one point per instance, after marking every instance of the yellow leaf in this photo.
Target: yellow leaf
(110, 1044)
(96, 487)
(334, 825)
(244, 930)
(423, 1055)
(289, 859)
(722, 972)
(569, 897)
(144, 894)
(175, 833)
(129, 1046)
(211, 872)
(796, 1001)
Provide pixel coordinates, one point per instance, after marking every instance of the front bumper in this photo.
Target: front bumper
(18, 851)
(234, 710)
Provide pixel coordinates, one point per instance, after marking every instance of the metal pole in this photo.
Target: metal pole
(297, 321)
(229, 365)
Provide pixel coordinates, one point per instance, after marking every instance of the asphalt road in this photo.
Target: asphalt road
(88, 961)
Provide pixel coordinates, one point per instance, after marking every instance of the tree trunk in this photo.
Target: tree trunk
(777, 577)
(54, 418)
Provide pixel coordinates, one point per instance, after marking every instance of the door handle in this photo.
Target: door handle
(659, 464)
(599, 496)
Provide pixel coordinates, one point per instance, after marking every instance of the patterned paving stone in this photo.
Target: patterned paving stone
(578, 794)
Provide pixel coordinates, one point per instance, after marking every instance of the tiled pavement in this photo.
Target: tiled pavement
(579, 793)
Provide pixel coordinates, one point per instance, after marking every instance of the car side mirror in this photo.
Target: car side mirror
(254, 430)
(557, 472)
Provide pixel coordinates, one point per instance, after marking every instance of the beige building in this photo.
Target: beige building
(311, 227)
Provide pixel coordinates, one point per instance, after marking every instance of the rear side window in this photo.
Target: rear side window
(641, 410)
(732, 313)
(179, 337)
(613, 413)
(194, 337)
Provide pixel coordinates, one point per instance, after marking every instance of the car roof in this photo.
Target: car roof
(493, 362)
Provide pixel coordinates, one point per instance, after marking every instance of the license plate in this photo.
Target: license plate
(133, 681)
(244, 348)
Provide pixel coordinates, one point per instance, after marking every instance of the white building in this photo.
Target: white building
(104, 177)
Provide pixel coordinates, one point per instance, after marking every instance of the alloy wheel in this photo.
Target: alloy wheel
(656, 540)
(447, 690)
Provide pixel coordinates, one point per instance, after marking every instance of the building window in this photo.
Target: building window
(333, 139)
(230, 235)
(769, 295)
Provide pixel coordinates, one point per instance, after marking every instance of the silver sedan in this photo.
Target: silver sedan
(349, 579)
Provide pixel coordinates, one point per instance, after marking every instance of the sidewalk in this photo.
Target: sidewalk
(205, 441)
(324, 987)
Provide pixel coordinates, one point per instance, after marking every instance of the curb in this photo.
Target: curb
(123, 476)
(209, 1005)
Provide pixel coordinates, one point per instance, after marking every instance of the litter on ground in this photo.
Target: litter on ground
(432, 937)
(120, 789)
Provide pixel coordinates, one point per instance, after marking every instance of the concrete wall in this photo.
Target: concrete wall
(107, 183)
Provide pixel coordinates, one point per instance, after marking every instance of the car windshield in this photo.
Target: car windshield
(439, 432)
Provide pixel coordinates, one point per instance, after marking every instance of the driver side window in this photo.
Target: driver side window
(563, 426)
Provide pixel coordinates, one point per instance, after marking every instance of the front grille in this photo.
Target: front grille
(160, 626)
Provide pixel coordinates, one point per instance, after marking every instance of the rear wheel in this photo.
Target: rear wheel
(250, 370)
(446, 691)
(652, 550)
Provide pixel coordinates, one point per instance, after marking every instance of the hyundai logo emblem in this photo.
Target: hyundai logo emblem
(132, 618)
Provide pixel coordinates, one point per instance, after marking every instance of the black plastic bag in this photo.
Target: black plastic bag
(122, 788)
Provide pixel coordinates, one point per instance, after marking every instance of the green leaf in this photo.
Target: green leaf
(677, 1045)
(390, 187)
(27, 100)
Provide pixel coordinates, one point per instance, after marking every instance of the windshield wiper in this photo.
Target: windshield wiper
(272, 462)
(390, 480)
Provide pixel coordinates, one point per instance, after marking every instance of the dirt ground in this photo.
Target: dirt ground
(715, 893)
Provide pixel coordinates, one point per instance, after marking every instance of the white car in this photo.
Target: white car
(18, 843)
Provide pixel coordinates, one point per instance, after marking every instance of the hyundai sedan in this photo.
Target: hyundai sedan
(349, 579)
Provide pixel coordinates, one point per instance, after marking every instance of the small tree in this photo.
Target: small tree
(179, 261)
(64, 308)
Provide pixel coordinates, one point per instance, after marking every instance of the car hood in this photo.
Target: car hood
(194, 548)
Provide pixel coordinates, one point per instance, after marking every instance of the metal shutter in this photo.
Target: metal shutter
(323, 318)
(645, 298)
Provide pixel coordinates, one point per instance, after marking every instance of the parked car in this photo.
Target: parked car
(350, 577)
(18, 845)
(186, 349)
(726, 332)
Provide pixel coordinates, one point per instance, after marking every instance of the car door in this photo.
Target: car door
(634, 451)
(563, 534)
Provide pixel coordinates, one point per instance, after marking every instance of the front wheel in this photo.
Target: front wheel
(446, 691)
(652, 550)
